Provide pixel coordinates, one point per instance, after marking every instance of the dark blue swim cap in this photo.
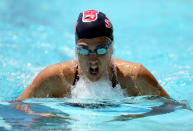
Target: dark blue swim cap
(91, 24)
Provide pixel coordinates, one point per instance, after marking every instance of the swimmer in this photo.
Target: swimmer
(94, 43)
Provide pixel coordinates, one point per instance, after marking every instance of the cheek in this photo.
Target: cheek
(81, 59)
(105, 60)
(83, 62)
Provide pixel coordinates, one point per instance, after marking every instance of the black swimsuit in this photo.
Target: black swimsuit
(114, 78)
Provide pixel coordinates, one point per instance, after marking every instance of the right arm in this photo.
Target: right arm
(54, 81)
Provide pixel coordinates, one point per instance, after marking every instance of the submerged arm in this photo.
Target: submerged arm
(25, 107)
(167, 107)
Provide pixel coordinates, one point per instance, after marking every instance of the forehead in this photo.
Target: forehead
(93, 41)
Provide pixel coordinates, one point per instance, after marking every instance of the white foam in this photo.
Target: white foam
(100, 89)
(4, 124)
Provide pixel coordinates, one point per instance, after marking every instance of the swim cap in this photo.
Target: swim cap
(91, 24)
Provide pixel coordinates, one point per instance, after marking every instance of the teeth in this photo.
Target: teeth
(93, 67)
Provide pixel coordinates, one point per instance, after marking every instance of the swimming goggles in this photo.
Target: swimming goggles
(100, 50)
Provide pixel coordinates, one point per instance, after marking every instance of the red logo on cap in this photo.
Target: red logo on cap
(108, 23)
(89, 15)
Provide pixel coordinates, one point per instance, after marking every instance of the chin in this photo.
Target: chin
(93, 78)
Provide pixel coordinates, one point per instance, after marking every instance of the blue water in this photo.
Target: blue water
(35, 34)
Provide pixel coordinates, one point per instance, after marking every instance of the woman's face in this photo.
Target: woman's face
(95, 66)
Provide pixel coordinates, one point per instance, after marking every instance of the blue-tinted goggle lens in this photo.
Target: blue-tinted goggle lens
(100, 50)
(83, 51)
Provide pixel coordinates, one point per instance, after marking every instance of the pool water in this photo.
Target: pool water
(157, 34)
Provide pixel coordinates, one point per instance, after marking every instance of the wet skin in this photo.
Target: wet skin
(56, 80)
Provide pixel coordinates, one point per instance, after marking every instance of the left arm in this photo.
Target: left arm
(167, 107)
(137, 79)
(147, 83)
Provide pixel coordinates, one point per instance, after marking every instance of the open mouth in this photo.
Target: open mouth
(93, 70)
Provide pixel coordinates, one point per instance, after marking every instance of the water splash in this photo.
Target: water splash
(100, 89)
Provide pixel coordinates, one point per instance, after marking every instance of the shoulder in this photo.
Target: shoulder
(53, 81)
(127, 74)
(146, 83)
(128, 68)
(60, 74)
(134, 71)
(58, 70)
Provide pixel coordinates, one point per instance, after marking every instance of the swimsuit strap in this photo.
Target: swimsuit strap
(114, 78)
(76, 78)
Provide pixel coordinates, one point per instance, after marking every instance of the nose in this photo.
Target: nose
(93, 58)
(93, 62)
(92, 54)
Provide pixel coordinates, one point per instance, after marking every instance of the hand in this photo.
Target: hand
(52, 115)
